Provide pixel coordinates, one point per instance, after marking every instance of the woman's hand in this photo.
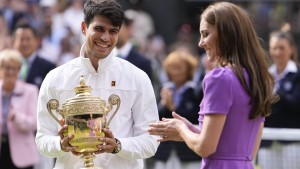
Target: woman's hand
(11, 114)
(190, 125)
(168, 129)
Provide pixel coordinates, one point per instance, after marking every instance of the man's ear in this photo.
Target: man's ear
(83, 27)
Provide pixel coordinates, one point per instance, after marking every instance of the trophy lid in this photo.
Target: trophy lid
(84, 102)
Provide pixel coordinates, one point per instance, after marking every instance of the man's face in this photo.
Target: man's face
(25, 41)
(124, 35)
(101, 37)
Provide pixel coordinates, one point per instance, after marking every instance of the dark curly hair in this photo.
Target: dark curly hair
(108, 8)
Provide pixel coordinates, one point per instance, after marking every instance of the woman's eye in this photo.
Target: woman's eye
(204, 34)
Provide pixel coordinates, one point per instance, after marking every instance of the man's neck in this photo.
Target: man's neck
(94, 60)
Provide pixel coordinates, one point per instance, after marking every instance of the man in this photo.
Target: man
(106, 74)
(34, 68)
(127, 51)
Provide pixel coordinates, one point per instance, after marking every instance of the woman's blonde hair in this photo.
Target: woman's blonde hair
(10, 55)
(181, 57)
(239, 45)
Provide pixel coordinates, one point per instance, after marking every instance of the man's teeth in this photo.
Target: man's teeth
(102, 45)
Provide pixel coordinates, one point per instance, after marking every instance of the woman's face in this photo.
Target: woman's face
(9, 71)
(280, 50)
(208, 41)
(178, 73)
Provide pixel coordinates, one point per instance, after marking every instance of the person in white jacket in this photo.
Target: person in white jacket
(106, 74)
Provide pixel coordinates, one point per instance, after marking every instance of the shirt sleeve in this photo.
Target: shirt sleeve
(47, 138)
(144, 112)
(217, 88)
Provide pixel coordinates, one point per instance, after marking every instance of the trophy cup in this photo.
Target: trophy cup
(85, 116)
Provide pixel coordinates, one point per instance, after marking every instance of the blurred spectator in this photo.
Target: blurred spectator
(127, 51)
(48, 3)
(156, 52)
(185, 40)
(62, 35)
(69, 48)
(143, 27)
(74, 11)
(34, 68)
(54, 28)
(50, 44)
(5, 39)
(178, 94)
(204, 66)
(285, 113)
(18, 115)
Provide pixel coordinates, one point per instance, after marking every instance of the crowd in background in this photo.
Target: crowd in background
(54, 26)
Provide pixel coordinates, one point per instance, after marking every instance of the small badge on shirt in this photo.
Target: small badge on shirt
(287, 86)
(113, 83)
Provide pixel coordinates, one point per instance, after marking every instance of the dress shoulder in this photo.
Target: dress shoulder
(218, 91)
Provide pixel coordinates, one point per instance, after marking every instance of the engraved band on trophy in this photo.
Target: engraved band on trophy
(85, 116)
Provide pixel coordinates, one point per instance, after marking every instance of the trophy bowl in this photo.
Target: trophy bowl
(85, 116)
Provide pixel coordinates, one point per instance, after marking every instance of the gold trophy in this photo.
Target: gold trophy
(85, 116)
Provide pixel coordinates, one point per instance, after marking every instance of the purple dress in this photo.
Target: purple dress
(224, 94)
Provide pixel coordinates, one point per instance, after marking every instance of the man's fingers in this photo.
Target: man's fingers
(107, 146)
(107, 133)
(62, 131)
(76, 153)
(65, 146)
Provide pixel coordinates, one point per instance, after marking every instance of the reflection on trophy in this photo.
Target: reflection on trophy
(85, 116)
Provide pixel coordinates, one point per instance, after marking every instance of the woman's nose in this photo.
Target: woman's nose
(201, 43)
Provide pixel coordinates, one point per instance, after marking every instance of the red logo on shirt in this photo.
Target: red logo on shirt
(113, 83)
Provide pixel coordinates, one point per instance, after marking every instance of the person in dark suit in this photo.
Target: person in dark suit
(127, 51)
(34, 68)
(285, 112)
(178, 94)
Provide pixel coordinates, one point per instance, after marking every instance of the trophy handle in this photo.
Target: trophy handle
(113, 100)
(53, 104)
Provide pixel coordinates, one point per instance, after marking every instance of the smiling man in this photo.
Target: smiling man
(127, 142)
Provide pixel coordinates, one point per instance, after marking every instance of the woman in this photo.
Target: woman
(285, 113)
(18, 115)
(178, 94)
(237, 95)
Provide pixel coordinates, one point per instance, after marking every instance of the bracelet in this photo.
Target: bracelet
(118, 147)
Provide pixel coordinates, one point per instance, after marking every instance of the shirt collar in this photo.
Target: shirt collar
(123, 52)
(102, 62)
(31, 58)
(291, 67)
(187, 85)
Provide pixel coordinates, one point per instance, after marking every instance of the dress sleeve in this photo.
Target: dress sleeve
(217, 88)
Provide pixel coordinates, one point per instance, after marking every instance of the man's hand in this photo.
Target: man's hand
(109, 142)
(64, 141)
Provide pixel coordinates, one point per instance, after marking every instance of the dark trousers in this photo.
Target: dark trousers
(5, 159)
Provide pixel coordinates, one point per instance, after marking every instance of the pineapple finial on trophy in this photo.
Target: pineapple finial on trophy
(82, 88)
